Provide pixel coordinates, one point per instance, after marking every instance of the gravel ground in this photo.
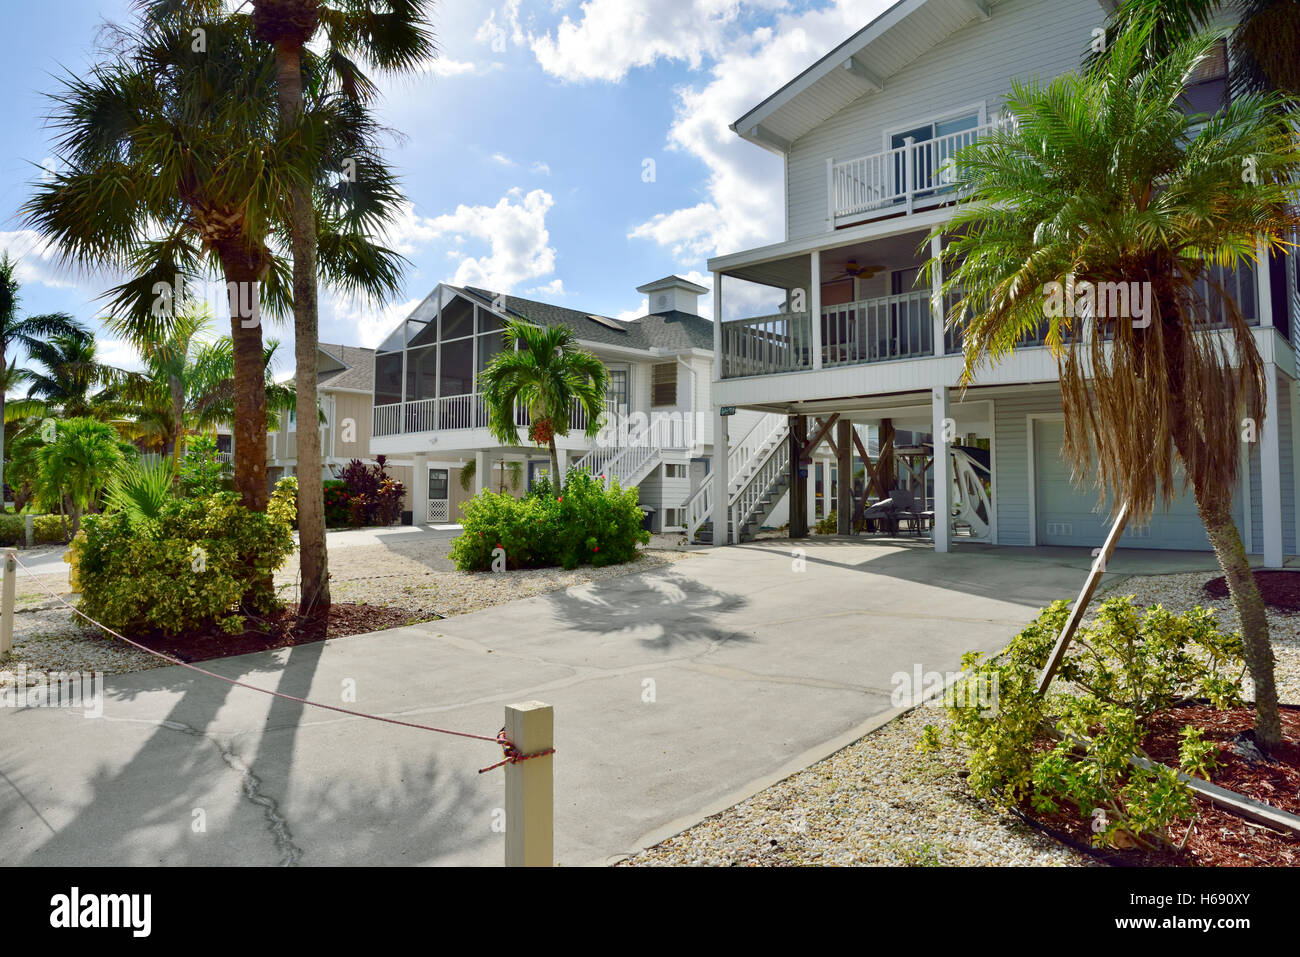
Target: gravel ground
(882, 802)
(877, 802)
(415, 576)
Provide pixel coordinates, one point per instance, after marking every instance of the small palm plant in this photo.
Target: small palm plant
(542, 369)
(77, 464)
(1103, 178)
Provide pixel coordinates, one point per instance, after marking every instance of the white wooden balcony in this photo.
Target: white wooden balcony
(450, 412)
(917, 174)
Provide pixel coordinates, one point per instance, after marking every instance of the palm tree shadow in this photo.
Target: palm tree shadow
(680, 610)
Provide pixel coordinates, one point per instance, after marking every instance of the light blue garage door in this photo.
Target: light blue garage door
(1066, 516)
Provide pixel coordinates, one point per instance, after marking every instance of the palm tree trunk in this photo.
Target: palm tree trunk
(555, 466)
(3, 365)
(312, 552)
(249, 426)
(1249, 604)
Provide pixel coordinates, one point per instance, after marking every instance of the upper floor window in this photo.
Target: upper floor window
(1207, 87)
(663, 384)
(617, 391)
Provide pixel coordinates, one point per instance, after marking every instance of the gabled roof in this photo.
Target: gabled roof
(352, 368)
(673, 331)
(860, 66)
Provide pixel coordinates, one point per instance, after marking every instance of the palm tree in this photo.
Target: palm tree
(390, 35)
(1103, 178)
(1263, 43)
(172, 170)
(69, 379)
(77, 465)
(24, 332)
(188, 385)
(542, 369)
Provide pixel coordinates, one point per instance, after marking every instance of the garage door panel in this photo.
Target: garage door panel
(1068, 516)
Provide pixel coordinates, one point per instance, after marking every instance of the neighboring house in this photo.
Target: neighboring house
(657, 428)
(864, 134)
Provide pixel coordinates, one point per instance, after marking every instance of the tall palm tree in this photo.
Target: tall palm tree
(171, 168)
(1263, 43)
(542, 369)
(1104, 178)
(23, 332)
(388, 34)
(188, 385)
(68, 378)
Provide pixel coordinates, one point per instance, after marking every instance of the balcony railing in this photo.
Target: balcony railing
(902, 327)
(451, 412)
(897, 177)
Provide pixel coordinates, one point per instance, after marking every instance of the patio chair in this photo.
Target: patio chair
(899, 507)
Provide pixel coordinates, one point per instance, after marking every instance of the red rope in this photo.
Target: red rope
(512, 753)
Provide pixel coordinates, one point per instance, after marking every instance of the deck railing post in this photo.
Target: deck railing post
(909, 171)
(530, 786)
(9, 590)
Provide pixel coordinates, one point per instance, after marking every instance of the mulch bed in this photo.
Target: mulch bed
(282, 629)
(1218, 838)
(1280, 589)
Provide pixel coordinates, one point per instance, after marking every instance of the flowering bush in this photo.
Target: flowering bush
(370, 496)
(584, 525)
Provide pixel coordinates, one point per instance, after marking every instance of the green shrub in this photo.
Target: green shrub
(283, 506)
(202, 471)
(828, 525)
(337, 512)
(201, 561)
(13, 530)
(1070, 750)
(585, 525)
(51, 529)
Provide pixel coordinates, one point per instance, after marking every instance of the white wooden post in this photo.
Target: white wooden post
(530, 787)
(936, 294)
(721, 512)
(29, 529)
(481, 465)
(1270, 467)
(830, 194)
(942, 471)
(815, 308)
(420, 489)
(909, 167)
(7, 605)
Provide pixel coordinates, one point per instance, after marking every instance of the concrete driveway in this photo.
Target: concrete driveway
(677, 691)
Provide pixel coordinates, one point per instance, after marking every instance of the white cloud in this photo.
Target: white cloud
(445, 67)
(630, 315)
(365, 323)
(611, 37)
(744, 183)
(37, 260)
(515, 230)
(553, 288)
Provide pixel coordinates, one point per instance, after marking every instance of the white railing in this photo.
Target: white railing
(899, 176)
(226, 457)
(747, 455)
(467, 411)
(877, 330)
(751, 495)
(630, 445)
(766, 345)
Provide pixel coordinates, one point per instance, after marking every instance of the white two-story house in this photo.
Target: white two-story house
(657, 425)
(847, 334)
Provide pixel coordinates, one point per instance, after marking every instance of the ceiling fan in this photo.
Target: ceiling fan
(852, 270)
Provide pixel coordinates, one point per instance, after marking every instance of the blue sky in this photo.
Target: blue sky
(522, 149)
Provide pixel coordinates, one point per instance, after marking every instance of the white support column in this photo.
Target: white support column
(830, 194)
(815, 308)
(942, 470)
(717, 327)
(1263, 288)
(562, 459)
(1270, 467)
(812, 494)
(420, 489)
(936, 294)
(720, 478)
(481, 465)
